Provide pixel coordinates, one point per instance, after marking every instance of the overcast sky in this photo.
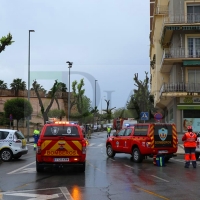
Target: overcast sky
(107, 40)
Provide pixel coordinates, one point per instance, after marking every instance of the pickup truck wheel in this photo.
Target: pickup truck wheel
(137, 157)
(197, 155)
(38, 167)
(109, 151)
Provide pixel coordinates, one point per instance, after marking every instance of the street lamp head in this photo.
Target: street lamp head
(31, 30)
(70, 64)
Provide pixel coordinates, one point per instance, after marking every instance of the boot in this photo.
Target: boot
(194, 164)
(187, 164)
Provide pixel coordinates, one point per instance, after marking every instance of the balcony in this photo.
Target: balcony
(179, 89)
(161, 10)
(175, 55)
(171, 23)
(182, 19)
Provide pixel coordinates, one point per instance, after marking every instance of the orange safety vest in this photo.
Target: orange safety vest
(190, 139)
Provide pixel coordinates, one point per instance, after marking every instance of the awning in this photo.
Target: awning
(191, 62)
(188, 107)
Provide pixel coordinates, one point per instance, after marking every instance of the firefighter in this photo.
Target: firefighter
(36, 134)
(189, 139)
(108, 131)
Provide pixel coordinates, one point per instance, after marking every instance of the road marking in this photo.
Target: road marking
(21, 168)
(100, 145)
(66, 193)
(35, 196)
(96, 168)
(159, 178)
(24, 193)
(150, 192)
(129, 166)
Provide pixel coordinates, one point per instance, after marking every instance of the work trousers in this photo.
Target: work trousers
(108, 134)
(190, 156)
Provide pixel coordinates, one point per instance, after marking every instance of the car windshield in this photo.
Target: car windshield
(68, 131)
(19, 135)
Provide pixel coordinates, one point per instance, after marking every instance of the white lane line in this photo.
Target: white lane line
(160, 178)
(100, 145)
(21, 168)
(129, 166)
(66, 193)
(96, 168)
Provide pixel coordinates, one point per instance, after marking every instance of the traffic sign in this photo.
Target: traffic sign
(158, 116)
(144, 116)
(11, 118)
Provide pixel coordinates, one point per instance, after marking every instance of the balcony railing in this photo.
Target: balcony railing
(182, 19)
(181, 53)
(180, 87)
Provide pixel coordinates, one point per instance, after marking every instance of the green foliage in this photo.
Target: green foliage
(56, 113)
(3, 85)
(3, 119)
(5, 41)
(141, 100)
(124, 113)
(19, 108)
(17, 85)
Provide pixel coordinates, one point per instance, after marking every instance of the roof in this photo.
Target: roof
(10, 130)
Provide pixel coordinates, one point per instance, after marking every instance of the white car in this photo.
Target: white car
(12, 144)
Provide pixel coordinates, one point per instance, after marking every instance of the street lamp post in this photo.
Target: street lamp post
(70, 66)
(101, 104)
(28, 80)
(95, 95)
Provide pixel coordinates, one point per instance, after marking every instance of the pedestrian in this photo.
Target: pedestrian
(190, 139)
(36, 134)
(108, 131)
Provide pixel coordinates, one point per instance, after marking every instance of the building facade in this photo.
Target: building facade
(175, 61)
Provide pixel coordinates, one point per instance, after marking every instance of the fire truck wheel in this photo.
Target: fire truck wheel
(109, 151)
(137, 157)
(82, 168)
(38, 167)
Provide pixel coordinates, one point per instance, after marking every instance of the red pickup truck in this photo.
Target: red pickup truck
(143, 140)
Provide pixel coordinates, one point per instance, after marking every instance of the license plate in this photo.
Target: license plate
(163, 151)
(61, 159)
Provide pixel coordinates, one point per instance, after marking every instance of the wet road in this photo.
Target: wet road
(104, 179)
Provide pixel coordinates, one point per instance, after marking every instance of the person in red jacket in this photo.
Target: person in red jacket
(189, 139)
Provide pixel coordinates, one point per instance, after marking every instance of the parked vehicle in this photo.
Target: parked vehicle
(12, 144)
(142, 140)
(61, 145)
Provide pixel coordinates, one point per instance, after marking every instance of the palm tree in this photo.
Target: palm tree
(3, 85)
(17, 85)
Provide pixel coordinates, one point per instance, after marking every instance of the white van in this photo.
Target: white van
(129, 122)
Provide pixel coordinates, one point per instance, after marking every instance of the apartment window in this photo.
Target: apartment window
(194, 76)
(194, 47)
(193, 13)
(193, 80)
